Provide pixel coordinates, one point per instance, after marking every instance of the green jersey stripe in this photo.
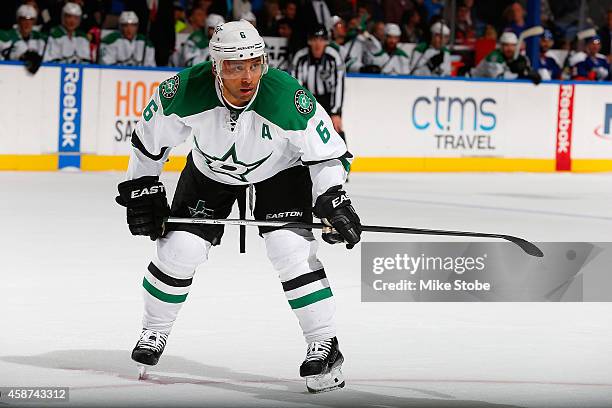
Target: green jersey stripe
(311, 298)
(164, 297)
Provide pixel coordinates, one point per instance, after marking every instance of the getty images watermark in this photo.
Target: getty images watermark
(485, 271)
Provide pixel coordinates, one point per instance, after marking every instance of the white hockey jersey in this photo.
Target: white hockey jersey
(421, 55)
(13, 45)
(69, 49)
(118, 50)
(194, 50)
(283, 126)
(398, 63)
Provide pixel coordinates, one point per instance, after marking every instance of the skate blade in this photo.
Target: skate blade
(142, 372)
(333, 380)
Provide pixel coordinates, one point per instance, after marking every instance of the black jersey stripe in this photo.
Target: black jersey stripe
(137, 143)
(304, 280)
(346, 155)
(168, 280)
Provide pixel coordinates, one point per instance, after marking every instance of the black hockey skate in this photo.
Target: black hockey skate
(322, 366)
(148, 350)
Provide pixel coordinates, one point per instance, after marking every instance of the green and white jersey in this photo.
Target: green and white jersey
(118, 50)
(13, 45)
(283, 126)
(397, 63)
(493, 66)
(69, 49)
(421, 55)
(354, 50)
(195, 49)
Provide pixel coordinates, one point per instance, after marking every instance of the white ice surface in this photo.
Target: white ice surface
(70, 304)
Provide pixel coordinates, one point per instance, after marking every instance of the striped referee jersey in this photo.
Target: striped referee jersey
(323, 77)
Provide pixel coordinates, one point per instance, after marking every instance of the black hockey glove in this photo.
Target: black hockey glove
(32, 61)
(435, 61)
(519, 66)
(147, 206)
(370, 69)
(535, 77)
(335, 209)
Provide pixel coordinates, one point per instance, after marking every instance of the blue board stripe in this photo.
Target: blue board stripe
(69, 137)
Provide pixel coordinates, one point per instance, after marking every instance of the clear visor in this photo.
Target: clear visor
(236, 69)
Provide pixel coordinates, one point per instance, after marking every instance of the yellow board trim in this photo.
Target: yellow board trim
(591, 165)
(89, 162)
(28, 162)
(448, 164)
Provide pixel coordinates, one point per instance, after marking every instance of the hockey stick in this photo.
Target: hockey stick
(526, 246)
(530, 32)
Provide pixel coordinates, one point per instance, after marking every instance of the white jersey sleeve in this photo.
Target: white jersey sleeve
(157, 132)
(322, 149)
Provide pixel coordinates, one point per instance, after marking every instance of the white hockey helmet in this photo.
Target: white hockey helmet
(393, 30)
(26, 11)
(236, 40)
(214, 20)
(128, 17)
(72, 9)
(508, 38)
(440, 28)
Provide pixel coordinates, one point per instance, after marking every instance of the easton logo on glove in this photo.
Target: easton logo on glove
(339, 200)
(148, 191)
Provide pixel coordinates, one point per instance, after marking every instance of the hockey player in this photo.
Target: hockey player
(66, 43)
(549, 68)
(251, 125)
(23, 43)
(594, 66)
(391, 60)
(352, 45)
(432, 59)
(195, 49)
(126, 46)
(501, 62)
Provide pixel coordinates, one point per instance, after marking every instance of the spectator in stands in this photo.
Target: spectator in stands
(267, 18)
(502, 64)
(549, 68)
(605, 33)
(394, 10)
(391, 59)
(465, 31)
(515, 16)
(195, 48)
(432, 59)
(23, 43)
(351, 49)
(126, 47)
(66, 42)
(490, 32)
(196, 20)
(595, 66)
(412, 27)
(378, 31)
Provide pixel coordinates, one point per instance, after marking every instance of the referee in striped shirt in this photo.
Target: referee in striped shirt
(320, 69)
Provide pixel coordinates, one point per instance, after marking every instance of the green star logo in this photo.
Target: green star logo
(200, 210)
(229, 164)
(303, 102)
(170, 86)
